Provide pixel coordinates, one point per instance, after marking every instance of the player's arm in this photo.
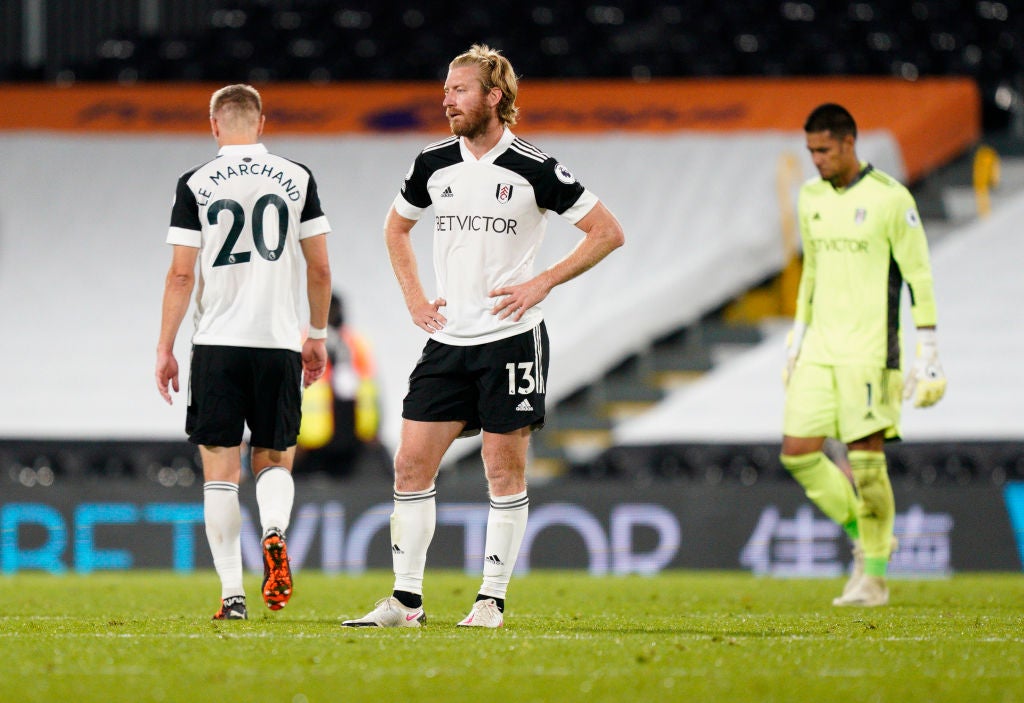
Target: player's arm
(397, 237)
(178, 286)
(318, 291)
(925, 382)
(802, 317)
(602, 235)
(910, 251)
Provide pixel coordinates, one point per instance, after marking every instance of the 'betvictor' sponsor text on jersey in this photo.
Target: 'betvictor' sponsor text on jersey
(474, 223)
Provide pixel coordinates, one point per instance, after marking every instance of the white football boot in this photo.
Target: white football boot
(389, 612)
(485, 613)
(857, 572)
(868, 592)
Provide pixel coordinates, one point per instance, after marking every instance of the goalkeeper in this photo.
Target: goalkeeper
(862, 239)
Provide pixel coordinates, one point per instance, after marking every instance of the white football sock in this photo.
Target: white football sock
(223, 520)
(506, 525)
(275, 494)
(412, 528)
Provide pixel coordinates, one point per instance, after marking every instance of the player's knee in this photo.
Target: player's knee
(873, 488)
(412, 472)
(795, 463)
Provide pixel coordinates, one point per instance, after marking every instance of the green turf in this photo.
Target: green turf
(687, 636)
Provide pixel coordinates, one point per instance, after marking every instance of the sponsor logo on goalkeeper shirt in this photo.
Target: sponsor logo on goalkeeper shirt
(839, 246)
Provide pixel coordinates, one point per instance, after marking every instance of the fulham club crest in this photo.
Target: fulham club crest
(503, 192)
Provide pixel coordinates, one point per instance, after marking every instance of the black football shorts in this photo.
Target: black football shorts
(233, 386)
(497, 386)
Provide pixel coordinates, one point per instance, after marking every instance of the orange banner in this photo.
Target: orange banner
(933, 119)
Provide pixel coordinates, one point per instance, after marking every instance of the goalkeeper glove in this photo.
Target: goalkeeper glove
(794, 339)
(926, 382)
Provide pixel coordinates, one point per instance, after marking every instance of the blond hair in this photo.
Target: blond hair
(495, 72)
(236, 104)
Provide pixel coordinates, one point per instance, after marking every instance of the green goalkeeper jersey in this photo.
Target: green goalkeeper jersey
(860, 244)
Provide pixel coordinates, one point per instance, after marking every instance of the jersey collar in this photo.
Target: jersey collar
(497, 150)
(865, 169)
(242, 149)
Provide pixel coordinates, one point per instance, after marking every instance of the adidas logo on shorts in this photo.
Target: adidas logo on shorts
(525, 406)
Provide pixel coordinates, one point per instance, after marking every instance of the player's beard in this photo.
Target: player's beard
(473, 123)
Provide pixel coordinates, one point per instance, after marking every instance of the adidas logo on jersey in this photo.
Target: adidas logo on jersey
(447, 193)
(525, 406)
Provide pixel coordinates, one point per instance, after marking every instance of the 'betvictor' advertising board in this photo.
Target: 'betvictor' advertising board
(601, 527)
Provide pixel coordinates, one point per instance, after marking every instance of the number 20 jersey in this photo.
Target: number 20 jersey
(246, 211)
(489, 221)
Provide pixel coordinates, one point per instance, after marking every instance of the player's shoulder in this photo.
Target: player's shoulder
(281, 159)
(536, 166)
(443, 150)
(882, 179)
(523, 157)
(814, 186)
(887, 188)
(436, 156)
(187, 174)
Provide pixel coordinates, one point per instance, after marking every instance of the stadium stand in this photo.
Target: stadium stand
(135, 42)
(316, 40)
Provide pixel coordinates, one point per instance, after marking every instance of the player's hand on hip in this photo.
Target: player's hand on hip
(427, 315)
(794, 340)
(314, 361)
(926, 382)
(514, 301)
(166, 375)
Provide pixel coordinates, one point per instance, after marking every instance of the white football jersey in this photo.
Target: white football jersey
(246, 211)
(490, 216)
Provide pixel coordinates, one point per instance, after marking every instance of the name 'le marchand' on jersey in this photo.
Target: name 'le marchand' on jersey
(490, 215)
(860, 244)
(247, 209)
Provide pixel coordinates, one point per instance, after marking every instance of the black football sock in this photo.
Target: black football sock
(409, 600)
(499, 601)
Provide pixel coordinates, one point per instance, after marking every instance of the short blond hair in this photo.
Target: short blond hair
(495, 72)
(236, 103)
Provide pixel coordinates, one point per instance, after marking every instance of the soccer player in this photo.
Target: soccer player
(251, 219)
(485, 364)
(862, 239)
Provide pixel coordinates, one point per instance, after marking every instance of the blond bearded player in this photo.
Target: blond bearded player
(484, 367)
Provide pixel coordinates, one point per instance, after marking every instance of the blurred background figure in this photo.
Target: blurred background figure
(341, 411)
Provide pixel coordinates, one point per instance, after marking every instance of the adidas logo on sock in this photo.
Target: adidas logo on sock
(447, 193)
(525, 406)
(395, 549)
(494, 559)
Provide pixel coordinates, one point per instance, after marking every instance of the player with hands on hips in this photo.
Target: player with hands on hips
(484, 366)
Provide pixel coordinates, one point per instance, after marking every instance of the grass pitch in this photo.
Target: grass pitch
(680, 636)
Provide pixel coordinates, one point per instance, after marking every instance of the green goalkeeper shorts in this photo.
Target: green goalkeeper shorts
(844, 402)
